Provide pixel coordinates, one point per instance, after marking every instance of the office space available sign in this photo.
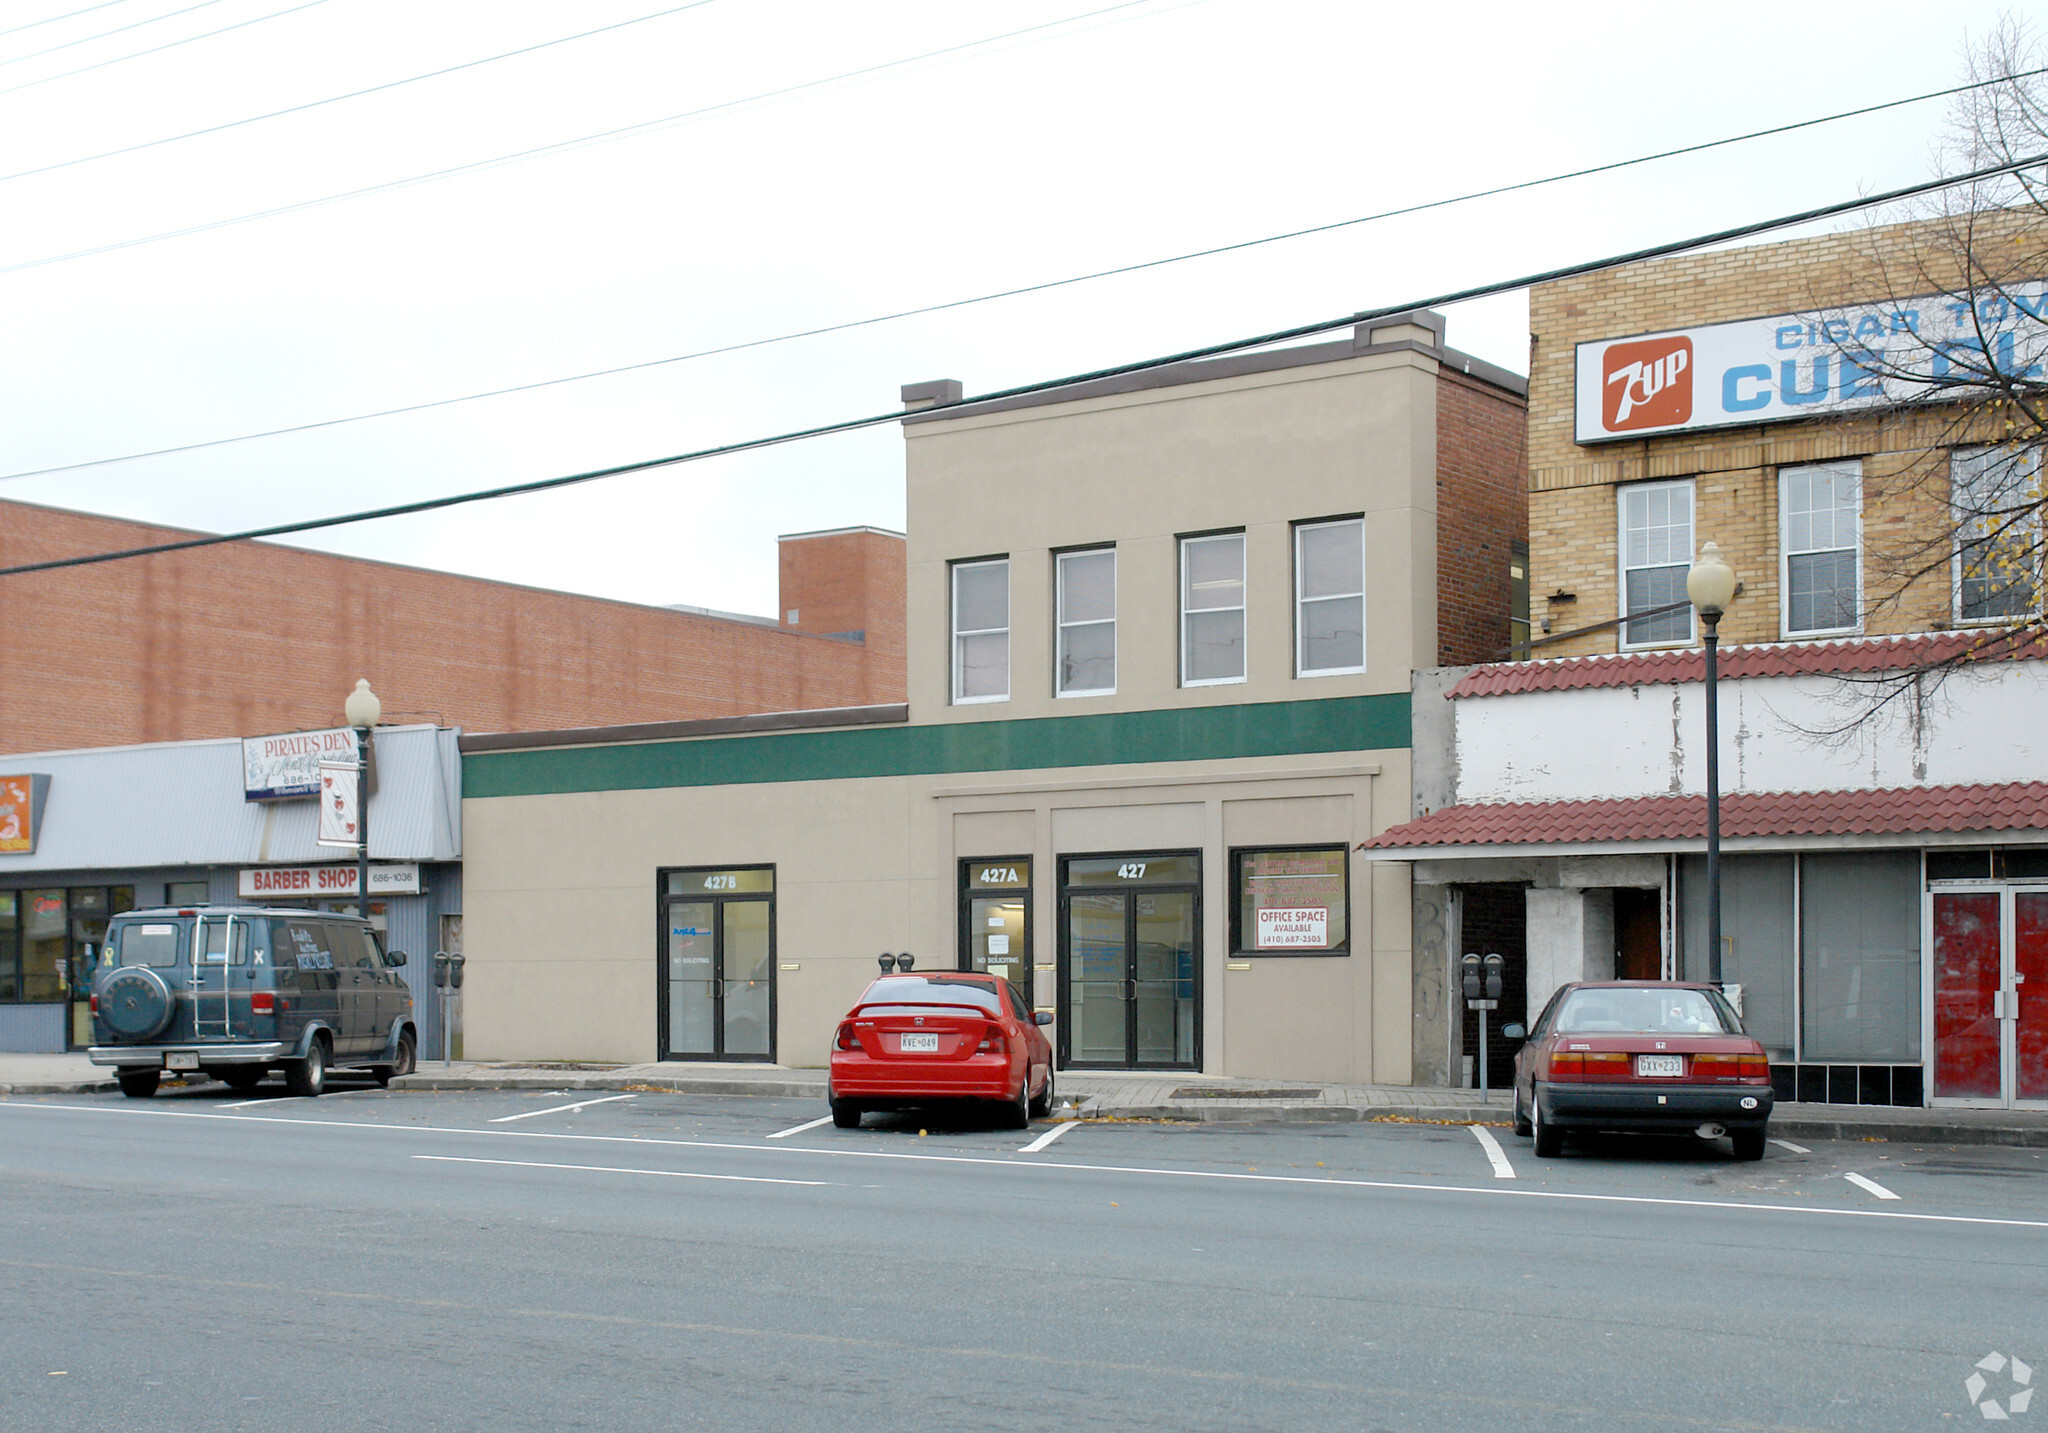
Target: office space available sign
(281, 768)
(22, 799)
(1769, 370)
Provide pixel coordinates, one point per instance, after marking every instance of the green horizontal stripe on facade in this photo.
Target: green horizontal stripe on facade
(1369, 723)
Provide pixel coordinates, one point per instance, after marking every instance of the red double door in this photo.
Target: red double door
(1991, 996)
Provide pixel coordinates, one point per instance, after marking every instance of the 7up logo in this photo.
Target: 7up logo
(1646, 384)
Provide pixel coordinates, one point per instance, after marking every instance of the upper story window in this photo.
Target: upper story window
(1212, 610)
(1997, 497)
(1820, 547)
(981, 631)
(1656, 551)
(1087, 622)
(1329, 597)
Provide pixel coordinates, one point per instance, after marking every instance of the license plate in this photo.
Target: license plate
(1660, 1065)
(182, 1060)
(919, 1044)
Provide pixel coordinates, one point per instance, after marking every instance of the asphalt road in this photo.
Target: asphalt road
(493, 1261)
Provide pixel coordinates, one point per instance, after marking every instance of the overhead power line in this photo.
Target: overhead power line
(159, 49)
(872, 320)
(70, 15)
(351, 95)
(557, 147)
(1214, 350)
(106, 34)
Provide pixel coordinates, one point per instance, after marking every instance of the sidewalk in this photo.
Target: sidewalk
(1097, 1095)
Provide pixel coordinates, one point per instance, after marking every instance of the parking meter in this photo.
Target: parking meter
(455, 970)
(1471, 967)
(1495, 965)
(440, 970)
(887, 961)
(1482, 993)
(904, 962)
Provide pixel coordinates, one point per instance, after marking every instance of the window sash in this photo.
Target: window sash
(1212, 614)
(1329, 598)
(1998, 556)
(1087, 640)
(981, 654)
(1821, 548)
(1656, 550)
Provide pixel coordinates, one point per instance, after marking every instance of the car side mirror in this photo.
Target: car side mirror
(1041, 1017)
(1514, 1032)
(395, 957)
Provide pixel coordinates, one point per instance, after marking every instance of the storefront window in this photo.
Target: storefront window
(1756, 939)
(1860, 949)
(44, 970)
(1291, 902)
(10, 946)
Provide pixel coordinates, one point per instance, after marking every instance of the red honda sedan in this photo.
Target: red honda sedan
(1648, 1056)
(926, 1038)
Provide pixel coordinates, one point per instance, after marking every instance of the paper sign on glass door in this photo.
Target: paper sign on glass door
(1306, 927)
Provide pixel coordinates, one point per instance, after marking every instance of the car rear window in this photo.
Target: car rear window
(1641, 1012)
(933, 990)
(152, 943)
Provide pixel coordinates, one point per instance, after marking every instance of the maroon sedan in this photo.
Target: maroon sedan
(1650, 1056)
(939, 1036)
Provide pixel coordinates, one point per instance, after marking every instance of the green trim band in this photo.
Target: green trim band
(1370, 723)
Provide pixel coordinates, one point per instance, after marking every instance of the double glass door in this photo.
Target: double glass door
(1130, 962)
(718, 936)
(1991, 995)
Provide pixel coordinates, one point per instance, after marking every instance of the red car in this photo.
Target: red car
(1649, 1056)
(937, 1036)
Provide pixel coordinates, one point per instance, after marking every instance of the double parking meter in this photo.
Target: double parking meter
(447, 976)
(1483, 979)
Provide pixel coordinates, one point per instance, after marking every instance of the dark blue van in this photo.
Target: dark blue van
(234, 992)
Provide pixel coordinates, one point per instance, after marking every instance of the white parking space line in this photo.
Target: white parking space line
(1494, 1153)
(414, 1131)
(799, 1129)
(1870, 1184)
(614, 1169)
(557, 1109)
(1795, 1148)
(1048, 1137)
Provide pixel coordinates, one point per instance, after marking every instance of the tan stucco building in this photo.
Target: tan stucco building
(1161, 630)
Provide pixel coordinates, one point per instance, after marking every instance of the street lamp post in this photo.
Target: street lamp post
(361, 711)
(1711, 586)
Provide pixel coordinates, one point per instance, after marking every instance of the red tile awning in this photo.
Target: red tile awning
(1903, 811)
(1775, 659)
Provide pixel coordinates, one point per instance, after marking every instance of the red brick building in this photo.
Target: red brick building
(246, 638)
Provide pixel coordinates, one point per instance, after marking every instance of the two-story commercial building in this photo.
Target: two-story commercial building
(1883, 705)
(1161, 632)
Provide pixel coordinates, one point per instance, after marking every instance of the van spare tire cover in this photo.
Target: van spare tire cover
(136, 1003)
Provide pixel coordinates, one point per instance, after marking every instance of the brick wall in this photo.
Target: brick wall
(850, 581)
(1573, 517)
(1482, 504)
(248, 638)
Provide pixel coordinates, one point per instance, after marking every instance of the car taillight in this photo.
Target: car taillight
(846, 1041)
(262, 1002)
(1746, 1065)
(1607, 1064)
(95, 1005)
(993, 1043)
(1567, 1064)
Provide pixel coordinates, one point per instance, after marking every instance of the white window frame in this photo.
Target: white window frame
(1301, 667)
(1786, 554)
(1961, 519)
(953, 621)
(1185, 611)
(1622, 567)
(1061, 625)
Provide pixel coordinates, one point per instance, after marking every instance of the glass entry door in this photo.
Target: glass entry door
(995, 914)
(1990, 973)
(718, 981)
(1130, 962)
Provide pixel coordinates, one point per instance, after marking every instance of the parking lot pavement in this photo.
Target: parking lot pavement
(1963, 1180)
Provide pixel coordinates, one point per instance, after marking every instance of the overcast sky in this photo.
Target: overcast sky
(1119, 135)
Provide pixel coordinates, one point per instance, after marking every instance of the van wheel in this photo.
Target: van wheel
(242, 1077)
(138, 1084)
(405, 1064)
(307, 1078)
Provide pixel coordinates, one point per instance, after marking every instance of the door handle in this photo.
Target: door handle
(1130, 990)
